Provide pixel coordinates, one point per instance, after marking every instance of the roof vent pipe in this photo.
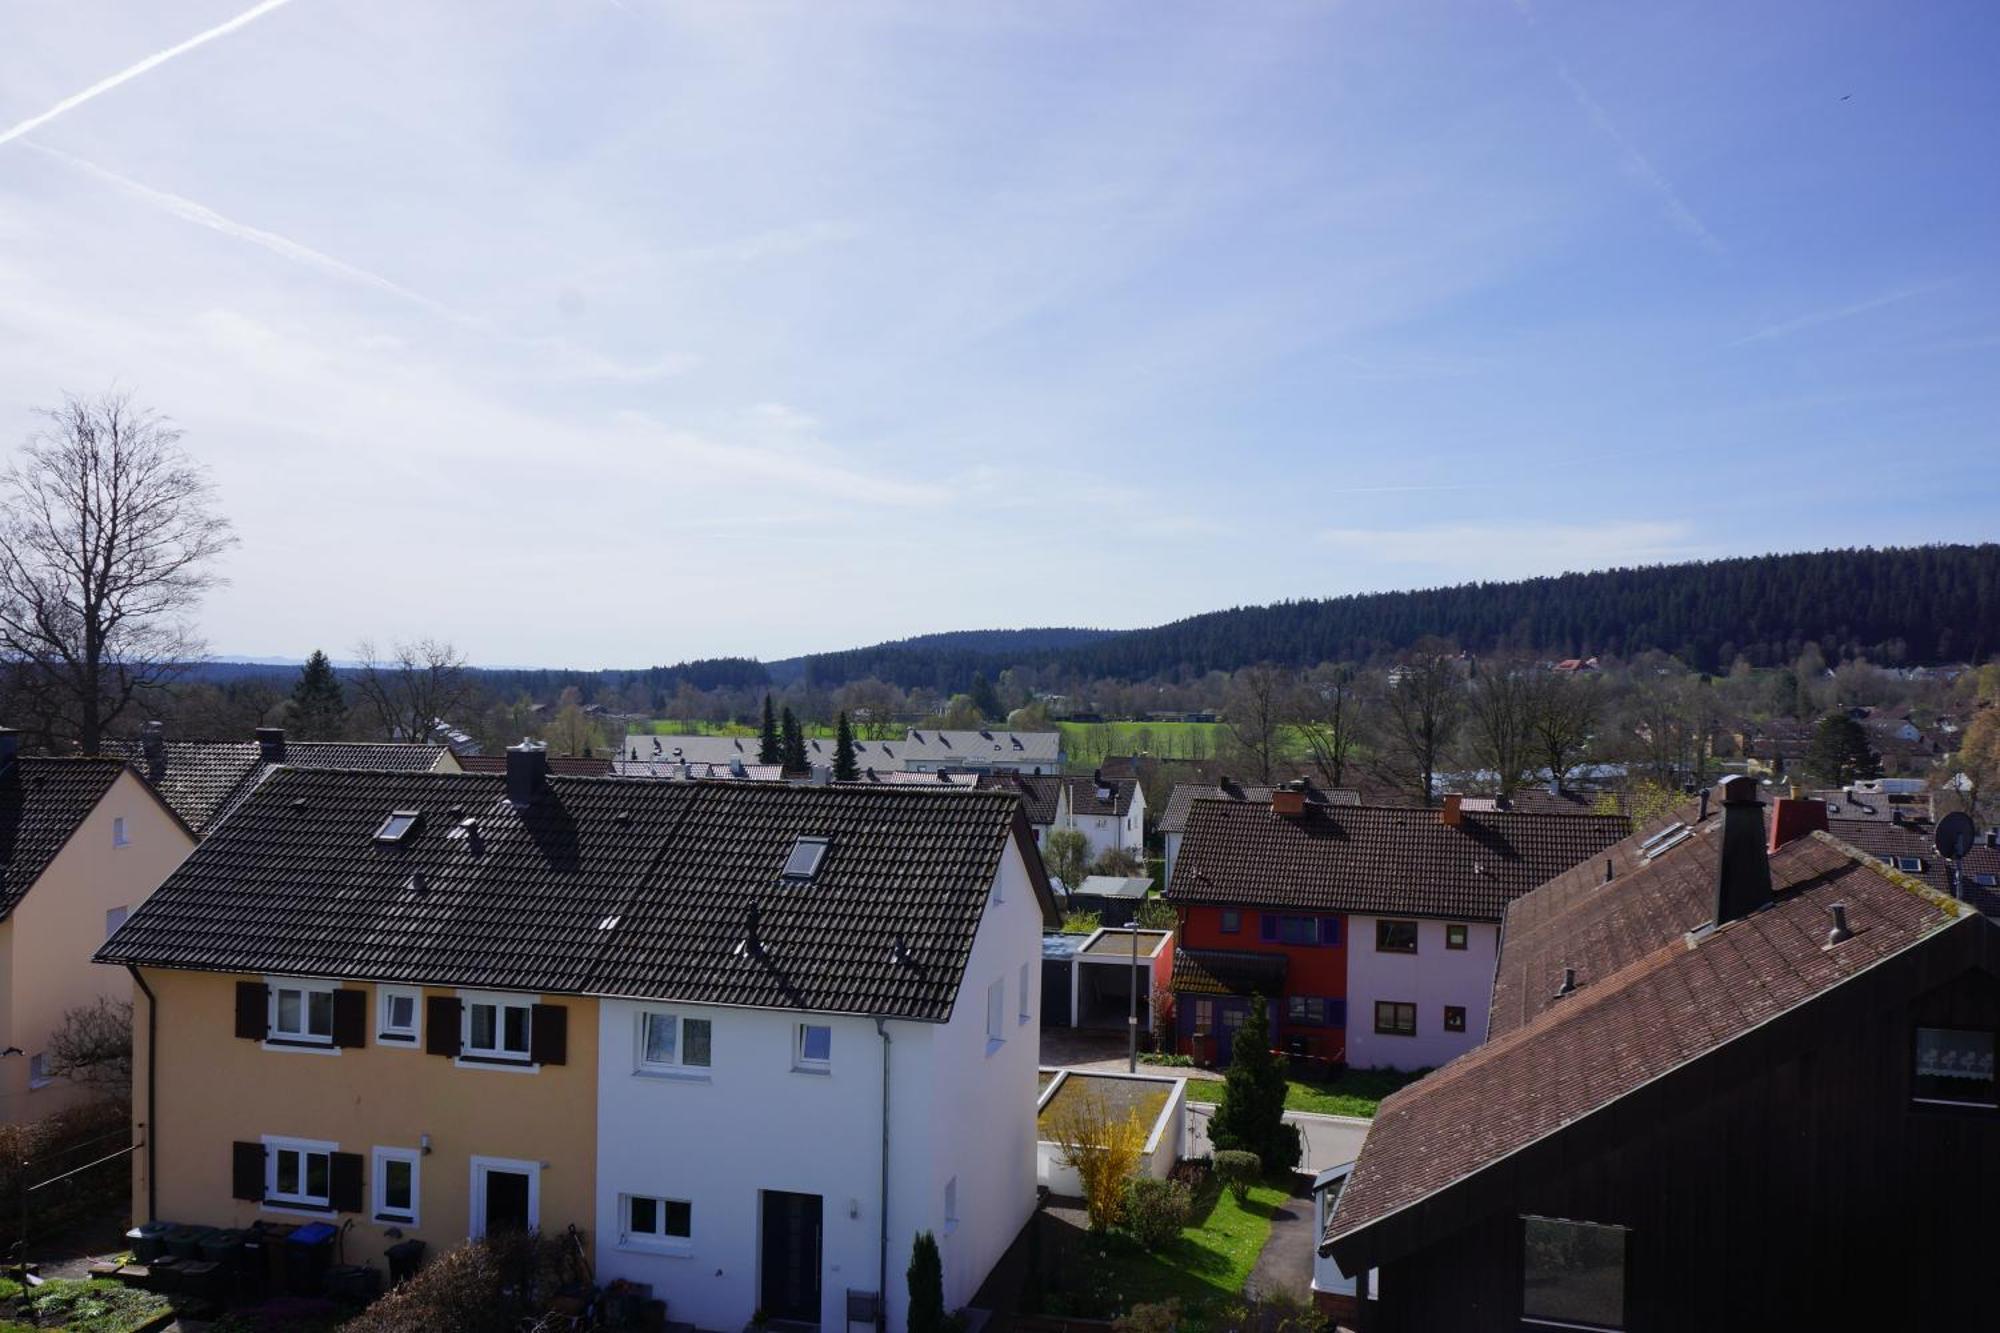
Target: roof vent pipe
(1568, 986)
(1840, 930)
(527, 772)
(1704, 806)
(1607, 870)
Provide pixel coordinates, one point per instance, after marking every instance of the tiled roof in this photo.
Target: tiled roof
(1542, 801)
(678, 770)
(570, 766)
(399, 756)
(720, 750)
(41, 803)
(1916, 841)
(602, 886)
(875, 777)
(202, 781)
(1180, 802)
(1228, 972)
(1040, 793)
(1580, 920)
(1666, 1007)
(985, 746)
(1850, 803)
(1117, 800)
(1379, 860)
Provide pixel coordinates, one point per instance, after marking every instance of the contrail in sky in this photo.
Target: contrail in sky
(131, 72)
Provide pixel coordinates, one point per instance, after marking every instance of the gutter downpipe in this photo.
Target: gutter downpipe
(882, 1273)
(152, 1059)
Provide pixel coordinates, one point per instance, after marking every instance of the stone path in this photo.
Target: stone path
(1286, 1262)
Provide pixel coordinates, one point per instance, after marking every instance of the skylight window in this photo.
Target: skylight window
(1658, 840)
(806, 855)
(398, 825)
(1668, 840)
(1911, 865)
(1985, 881)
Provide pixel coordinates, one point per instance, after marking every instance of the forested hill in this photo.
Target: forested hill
(971, 649)
(1907, 604)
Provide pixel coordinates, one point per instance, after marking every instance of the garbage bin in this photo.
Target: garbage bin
(308, 1254)
(404, 1257)
(185, 1242)
(354, 1284)
(264, 1257)
(224, 1247)
(149, 1240)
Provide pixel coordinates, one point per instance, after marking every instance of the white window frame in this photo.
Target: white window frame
(121, 836)
(476, 1224)
(678, 1067)
(500, 1002)
(412, 1037)
(653, 1242)
(111, 927)
(996, 1015)
(1027, 975)
(297, 1203)
(277, 1037)
(801, 1062)
(378, 1191)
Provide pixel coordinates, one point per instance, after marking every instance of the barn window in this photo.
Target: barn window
(1573, 1274)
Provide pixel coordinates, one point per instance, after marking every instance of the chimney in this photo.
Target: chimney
(1555, 783)
(153, 746)
(1743, 867)
(271, 741)
(1453, 813)
(527, 772)
(1839, 933)
(1288, 801)
(1793, 819)
(10, 750)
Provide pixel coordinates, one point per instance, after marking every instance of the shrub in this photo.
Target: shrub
(1102, 1148)
(1156, 1210)
(1081, 923)
(1163, 1317)
(926, 1277)
(479, 1286)
(1238, 1170)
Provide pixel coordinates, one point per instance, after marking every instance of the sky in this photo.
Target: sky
(620, 332)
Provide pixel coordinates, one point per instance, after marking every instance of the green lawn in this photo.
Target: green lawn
(1211, 1261)
(1356, 1092)
(84, 1307)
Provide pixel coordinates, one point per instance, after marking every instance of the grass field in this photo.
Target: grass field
(1206, 1267)
(1085, 741)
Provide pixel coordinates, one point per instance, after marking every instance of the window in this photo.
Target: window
(669, 1043)
(298, 1172)
(813, 1048)
(38, 1071)
(119, 837)
(996, 1006)
(1573, 1274)
(395, 1193)
(650, 1223)
(1393, 1018)
(806, 854)
(114, 919)
(1303, 930)
(1395, 937)
(1955, 1067)
(1454, 1018)
(302, 1013)
(1456, 935)
(398, 1014)
(398, 825)
(1027, 980)
(1204, 1015)
(1305, 1009)
(1232, 921)
(497, 1029)
(951, 1205)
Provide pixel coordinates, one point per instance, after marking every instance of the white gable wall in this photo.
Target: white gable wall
(1431, 978)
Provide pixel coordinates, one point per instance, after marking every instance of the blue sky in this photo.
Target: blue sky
(615, 332)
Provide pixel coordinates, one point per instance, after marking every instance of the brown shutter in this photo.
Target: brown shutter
(246, 1171)
(343, 1191)
(253, 1010)
(350, 1018)
(548, 1034)
(441, 1025)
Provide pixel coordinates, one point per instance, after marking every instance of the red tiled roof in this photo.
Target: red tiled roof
(1668, 1006)
(1084, 800)
(1379, 859)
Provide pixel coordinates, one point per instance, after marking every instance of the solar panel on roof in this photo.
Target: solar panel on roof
(1646, 847)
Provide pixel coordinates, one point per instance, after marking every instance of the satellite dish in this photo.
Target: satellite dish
(1955, 835)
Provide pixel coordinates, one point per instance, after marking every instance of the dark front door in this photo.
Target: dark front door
(506, 1201)
(791, 1256)
(1230, 1014)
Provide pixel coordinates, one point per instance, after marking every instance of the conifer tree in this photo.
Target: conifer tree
(767, 739)
(319, 702)
(792, 744)
(926, 1278)
(1251, 1117)
(845, 769)
(985, 698)
(1839, 753)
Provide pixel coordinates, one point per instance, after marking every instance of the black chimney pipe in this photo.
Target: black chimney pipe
(527, 772)
(10, 750)
(271, 744)
(1743, 869)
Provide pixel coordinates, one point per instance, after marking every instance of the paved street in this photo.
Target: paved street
(1330, 1140)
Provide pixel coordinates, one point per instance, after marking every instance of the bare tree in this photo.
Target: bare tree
(93, 1048)
(1562, 715)
(1500, 721)
(1421, 707)
(1326, 717)
(1258, 716)
(106, 541)
(409, 693)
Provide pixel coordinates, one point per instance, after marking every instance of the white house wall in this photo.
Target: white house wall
(1431, 978)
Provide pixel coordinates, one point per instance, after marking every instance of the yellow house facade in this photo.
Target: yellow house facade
(293, 1099)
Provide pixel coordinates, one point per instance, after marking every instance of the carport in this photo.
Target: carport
(1102, 976)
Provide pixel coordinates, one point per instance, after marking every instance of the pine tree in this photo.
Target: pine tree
(1251, 1117)
(926, 1278)
(320, 704)
(767, 739)
(792, 744)
(844, 767)
(985, 698)
(1839, 753)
